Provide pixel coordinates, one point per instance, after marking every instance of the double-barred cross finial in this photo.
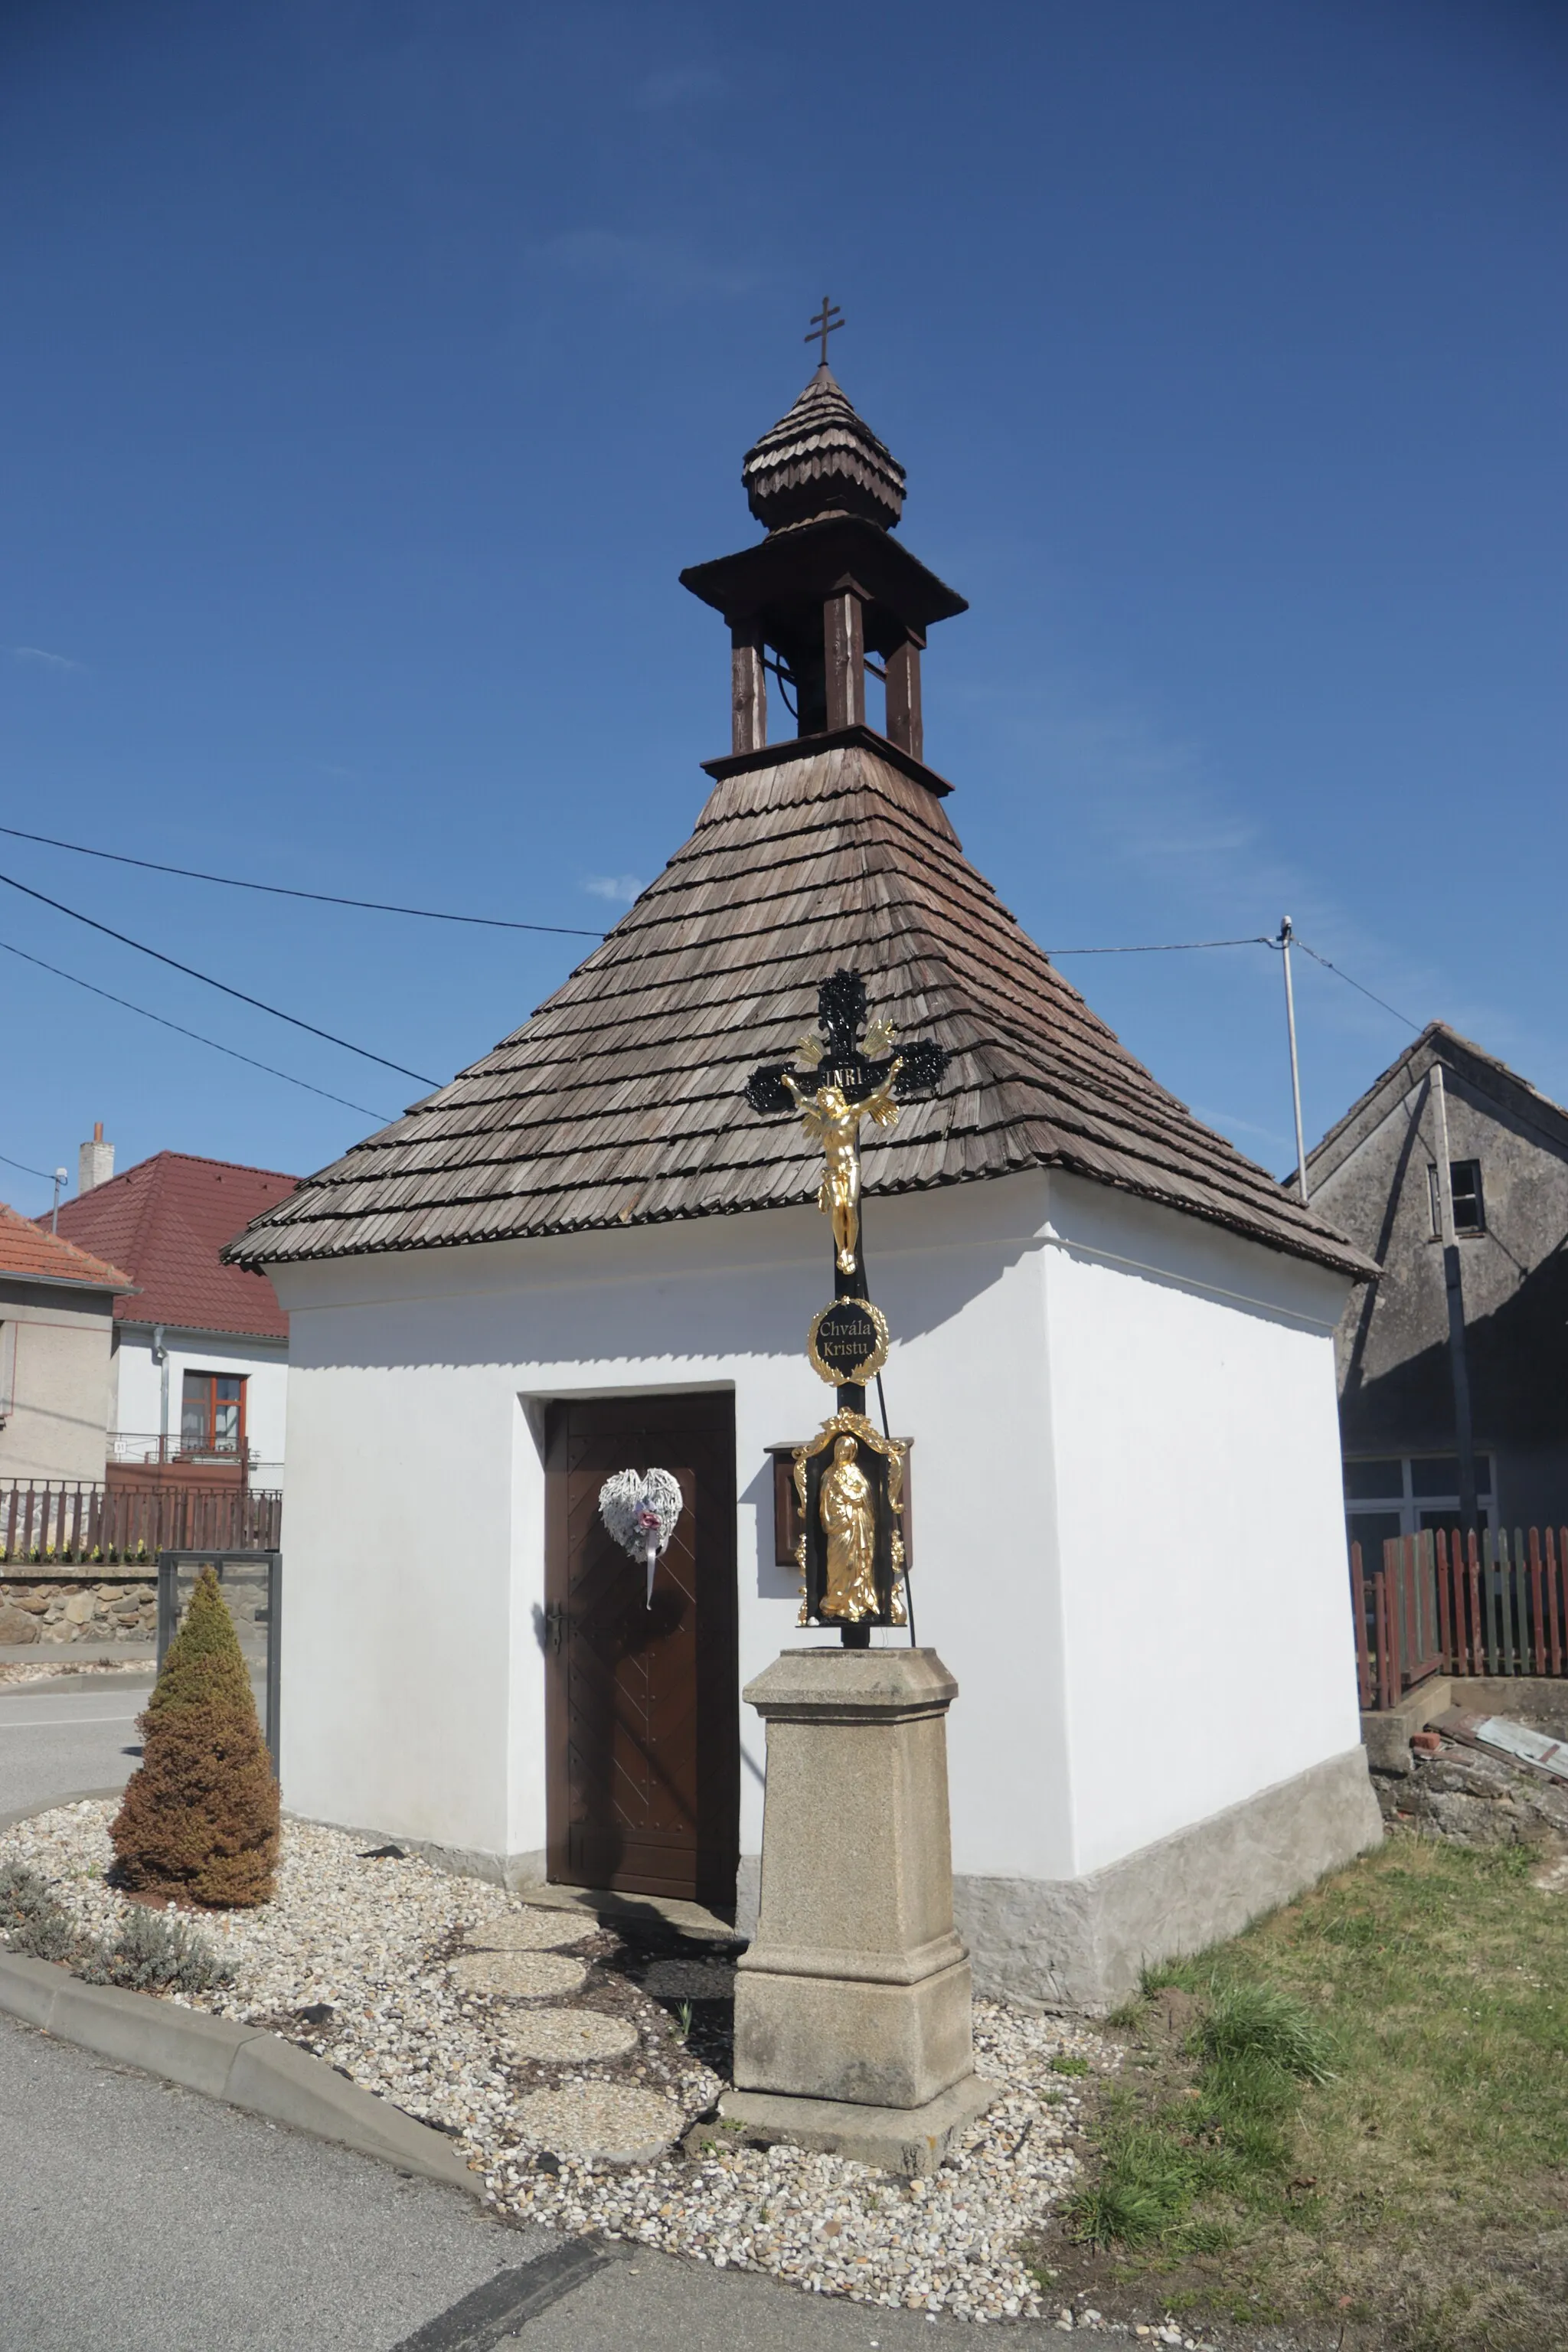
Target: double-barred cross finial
(827, 321)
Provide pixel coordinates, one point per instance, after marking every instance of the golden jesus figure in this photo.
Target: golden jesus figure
(849, 1523)
(833, 1122)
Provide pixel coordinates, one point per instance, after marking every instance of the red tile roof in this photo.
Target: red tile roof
(35, 1254)
(167, 1219)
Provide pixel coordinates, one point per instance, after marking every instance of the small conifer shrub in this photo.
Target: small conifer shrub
(200, 1817)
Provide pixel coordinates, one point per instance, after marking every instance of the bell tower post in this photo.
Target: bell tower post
(828, 594)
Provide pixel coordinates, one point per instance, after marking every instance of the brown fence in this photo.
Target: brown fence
(1447, 1602)
(50, 1522)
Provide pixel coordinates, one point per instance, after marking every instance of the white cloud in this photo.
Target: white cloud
(37, 658)
(677, 86)
(621, 888)
(1229, 1123)
(651, 269)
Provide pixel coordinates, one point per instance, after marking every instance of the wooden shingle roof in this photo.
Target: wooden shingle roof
(822, 458)
(621, 1102)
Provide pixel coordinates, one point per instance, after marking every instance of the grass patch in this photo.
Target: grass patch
(1356, 2113)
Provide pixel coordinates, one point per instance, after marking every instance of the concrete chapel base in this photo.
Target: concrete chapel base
(853, 2003)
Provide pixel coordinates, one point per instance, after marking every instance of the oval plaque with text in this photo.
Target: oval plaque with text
(847, 1342)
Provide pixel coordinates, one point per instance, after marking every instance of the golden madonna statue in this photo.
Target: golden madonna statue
(849, 1523)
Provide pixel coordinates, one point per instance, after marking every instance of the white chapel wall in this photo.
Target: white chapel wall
(1127, 1542)
(415, 1533)
(1206, 1594)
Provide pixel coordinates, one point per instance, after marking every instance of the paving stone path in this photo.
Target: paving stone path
(519, 1976)
(609, 2120)
(563, 2034)
(519, 1957)
(529, 1931)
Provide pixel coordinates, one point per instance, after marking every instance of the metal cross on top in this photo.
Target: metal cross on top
(827, 321)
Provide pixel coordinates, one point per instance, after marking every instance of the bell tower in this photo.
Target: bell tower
(829, 587)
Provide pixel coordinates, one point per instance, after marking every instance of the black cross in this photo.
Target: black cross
(841, 1018)
(827, 321)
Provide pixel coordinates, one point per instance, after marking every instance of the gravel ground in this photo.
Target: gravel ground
(350, 1961)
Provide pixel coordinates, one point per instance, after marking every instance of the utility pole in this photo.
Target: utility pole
(1458, 1358)
(1286, 936)
(61, 1180)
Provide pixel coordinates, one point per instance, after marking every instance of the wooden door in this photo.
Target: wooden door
(643, 1722)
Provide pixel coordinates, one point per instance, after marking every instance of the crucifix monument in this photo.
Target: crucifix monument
(852, 2003)
(849, 1478)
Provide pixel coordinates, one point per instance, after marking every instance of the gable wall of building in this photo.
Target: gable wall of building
(54, 1380)
(1394, 1372)
(1127, 1543)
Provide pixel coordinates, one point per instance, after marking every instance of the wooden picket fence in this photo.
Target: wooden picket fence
(1456, 1603)
(60, 1523)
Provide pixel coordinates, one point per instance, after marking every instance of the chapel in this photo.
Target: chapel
(1112, 1353)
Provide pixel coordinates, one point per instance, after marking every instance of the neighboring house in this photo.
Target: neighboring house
(1377, 1175)
(56, 1327)
(201, 1348)
(1112, 1346)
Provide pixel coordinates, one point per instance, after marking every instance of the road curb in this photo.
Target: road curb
(242, 2065)
(66, 1684)
(55, 1804)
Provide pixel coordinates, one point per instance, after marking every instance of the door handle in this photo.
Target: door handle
(554, 1625)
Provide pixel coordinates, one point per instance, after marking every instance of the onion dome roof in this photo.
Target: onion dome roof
(822, 459)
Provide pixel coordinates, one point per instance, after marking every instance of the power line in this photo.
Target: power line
(233, 1052)
(1189, 947)
(1163, 947)
(47, 1174)
(206, 977)
(281, 890)
(1357, 986)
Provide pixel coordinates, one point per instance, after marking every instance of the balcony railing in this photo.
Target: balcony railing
(149, 1445)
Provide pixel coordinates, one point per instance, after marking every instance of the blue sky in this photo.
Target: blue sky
(370, 372)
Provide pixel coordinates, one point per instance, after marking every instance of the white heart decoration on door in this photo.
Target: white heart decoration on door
(641, 1514)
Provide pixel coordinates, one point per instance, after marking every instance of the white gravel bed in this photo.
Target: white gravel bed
(65, 1662)
(369, 1942)
(948, 2243)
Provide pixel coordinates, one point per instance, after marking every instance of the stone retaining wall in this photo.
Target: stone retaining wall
(102, 1605)
(1475, 1798)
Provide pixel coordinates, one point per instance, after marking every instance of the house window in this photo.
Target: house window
(211, 1414)
(1401, 1495)
(1469, 1210)
(1465, 1176)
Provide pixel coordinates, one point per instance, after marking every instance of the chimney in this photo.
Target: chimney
(94, 1162)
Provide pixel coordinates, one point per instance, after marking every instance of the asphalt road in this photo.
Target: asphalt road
(142, 2218)
(55, 1743)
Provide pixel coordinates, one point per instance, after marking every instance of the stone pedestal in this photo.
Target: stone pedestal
(852, 2005)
